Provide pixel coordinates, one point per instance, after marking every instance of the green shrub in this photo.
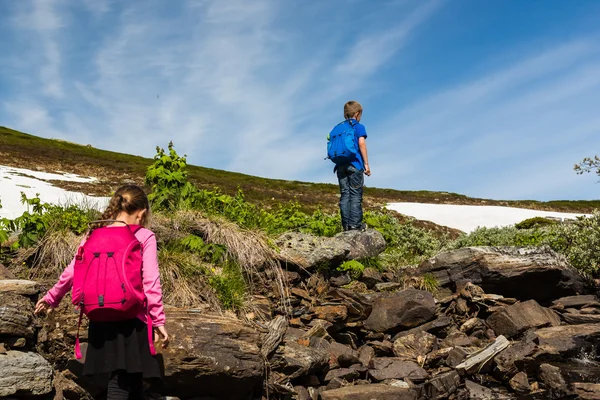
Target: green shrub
(230, 286)
(536, 222)
(580, 242)
(505, 236)
(353, 267)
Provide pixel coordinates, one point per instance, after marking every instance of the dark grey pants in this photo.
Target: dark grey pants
(124, 386)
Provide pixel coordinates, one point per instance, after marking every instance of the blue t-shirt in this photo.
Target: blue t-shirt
(360, 132)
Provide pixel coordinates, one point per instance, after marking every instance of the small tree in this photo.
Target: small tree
(589, 164)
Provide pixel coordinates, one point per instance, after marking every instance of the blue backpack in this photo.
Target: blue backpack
(341, 143)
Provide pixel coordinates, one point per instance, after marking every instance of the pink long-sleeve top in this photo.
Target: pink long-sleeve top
(150, 279)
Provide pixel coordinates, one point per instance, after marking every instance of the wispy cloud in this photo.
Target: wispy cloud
(255, 87)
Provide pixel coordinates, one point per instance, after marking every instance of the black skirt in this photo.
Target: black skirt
(120, 346)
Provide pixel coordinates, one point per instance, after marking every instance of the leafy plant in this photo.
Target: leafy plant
(535, 222)
(230, 286)
(353, 267)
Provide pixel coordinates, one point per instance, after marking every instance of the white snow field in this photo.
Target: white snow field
(13, 181)
(468, 218)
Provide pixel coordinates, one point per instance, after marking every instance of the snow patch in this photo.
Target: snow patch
(468, 218)
(13, 181)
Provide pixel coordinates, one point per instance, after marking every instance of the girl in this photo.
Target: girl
(120, 350)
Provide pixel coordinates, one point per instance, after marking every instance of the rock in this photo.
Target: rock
(456, 356)
(66, 388)
(388, 286)
(516, 319)
(369, 243)
(577, 319)
(519, 383)
(553, 380)
(524, 273)
(359, 306)
(295, 360)
(401, 310)
(16, 314)
(393, 368)
(370, 392)
(19, 286)
(5, 273)
(442, 385)
(346, 374)
(566, 340)
(340, 280)
(413, 346)
(212, 352)
(478, 392)
(309, 251)
(384, 348)
(505, 360)
(576, 301)
(366, 354)
(331, 313)
(371, 277)
(434, 326)
(24, 374)
(344, 355)
(587, 391)
(302, 393)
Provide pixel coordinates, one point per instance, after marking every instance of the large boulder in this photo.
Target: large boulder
(523, 273)
(517, 318)
(211, 352)
(24, 374)
(362, 244)
(309, 251)
(370, 392)
(401, 310)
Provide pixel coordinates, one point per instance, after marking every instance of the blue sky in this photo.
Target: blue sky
(494, 99)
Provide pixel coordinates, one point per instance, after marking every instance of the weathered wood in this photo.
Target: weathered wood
(273, 338)
(19, 286)
(474, 362)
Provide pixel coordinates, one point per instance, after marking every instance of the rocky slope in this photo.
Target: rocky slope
(506, 323)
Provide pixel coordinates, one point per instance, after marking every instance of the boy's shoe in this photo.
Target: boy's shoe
(361, 228)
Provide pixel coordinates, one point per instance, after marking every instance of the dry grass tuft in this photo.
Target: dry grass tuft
(183, 280)
(249, 249)
(48, 258)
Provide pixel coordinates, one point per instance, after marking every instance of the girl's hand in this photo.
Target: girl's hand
(162, 331)
(42, 306)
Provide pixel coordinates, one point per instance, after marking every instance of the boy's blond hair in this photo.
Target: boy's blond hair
(351, 108)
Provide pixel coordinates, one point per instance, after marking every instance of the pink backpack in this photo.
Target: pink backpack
(107, 278)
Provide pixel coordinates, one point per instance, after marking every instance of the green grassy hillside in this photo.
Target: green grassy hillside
(19, 149)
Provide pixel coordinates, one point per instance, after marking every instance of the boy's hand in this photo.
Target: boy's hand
(367, 170)
(42, 306)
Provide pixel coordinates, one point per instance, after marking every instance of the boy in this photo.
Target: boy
(351, 175)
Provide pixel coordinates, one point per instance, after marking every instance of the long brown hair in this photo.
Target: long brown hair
(128, 198)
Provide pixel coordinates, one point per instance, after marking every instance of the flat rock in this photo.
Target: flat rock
(519, 383)
(567, 340)
(437, 324)
(370, 392)
(344, 355)
(16, 314)
(401, 310)
(505, 360)
(576, 319)
(587, 391)
(477, 392)
(24, 374)
(19, 286)
(513, 320)
(393, 368)
(212, 352)
(576, 301)
(346, 374)
(553, 379)
(523, 273)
